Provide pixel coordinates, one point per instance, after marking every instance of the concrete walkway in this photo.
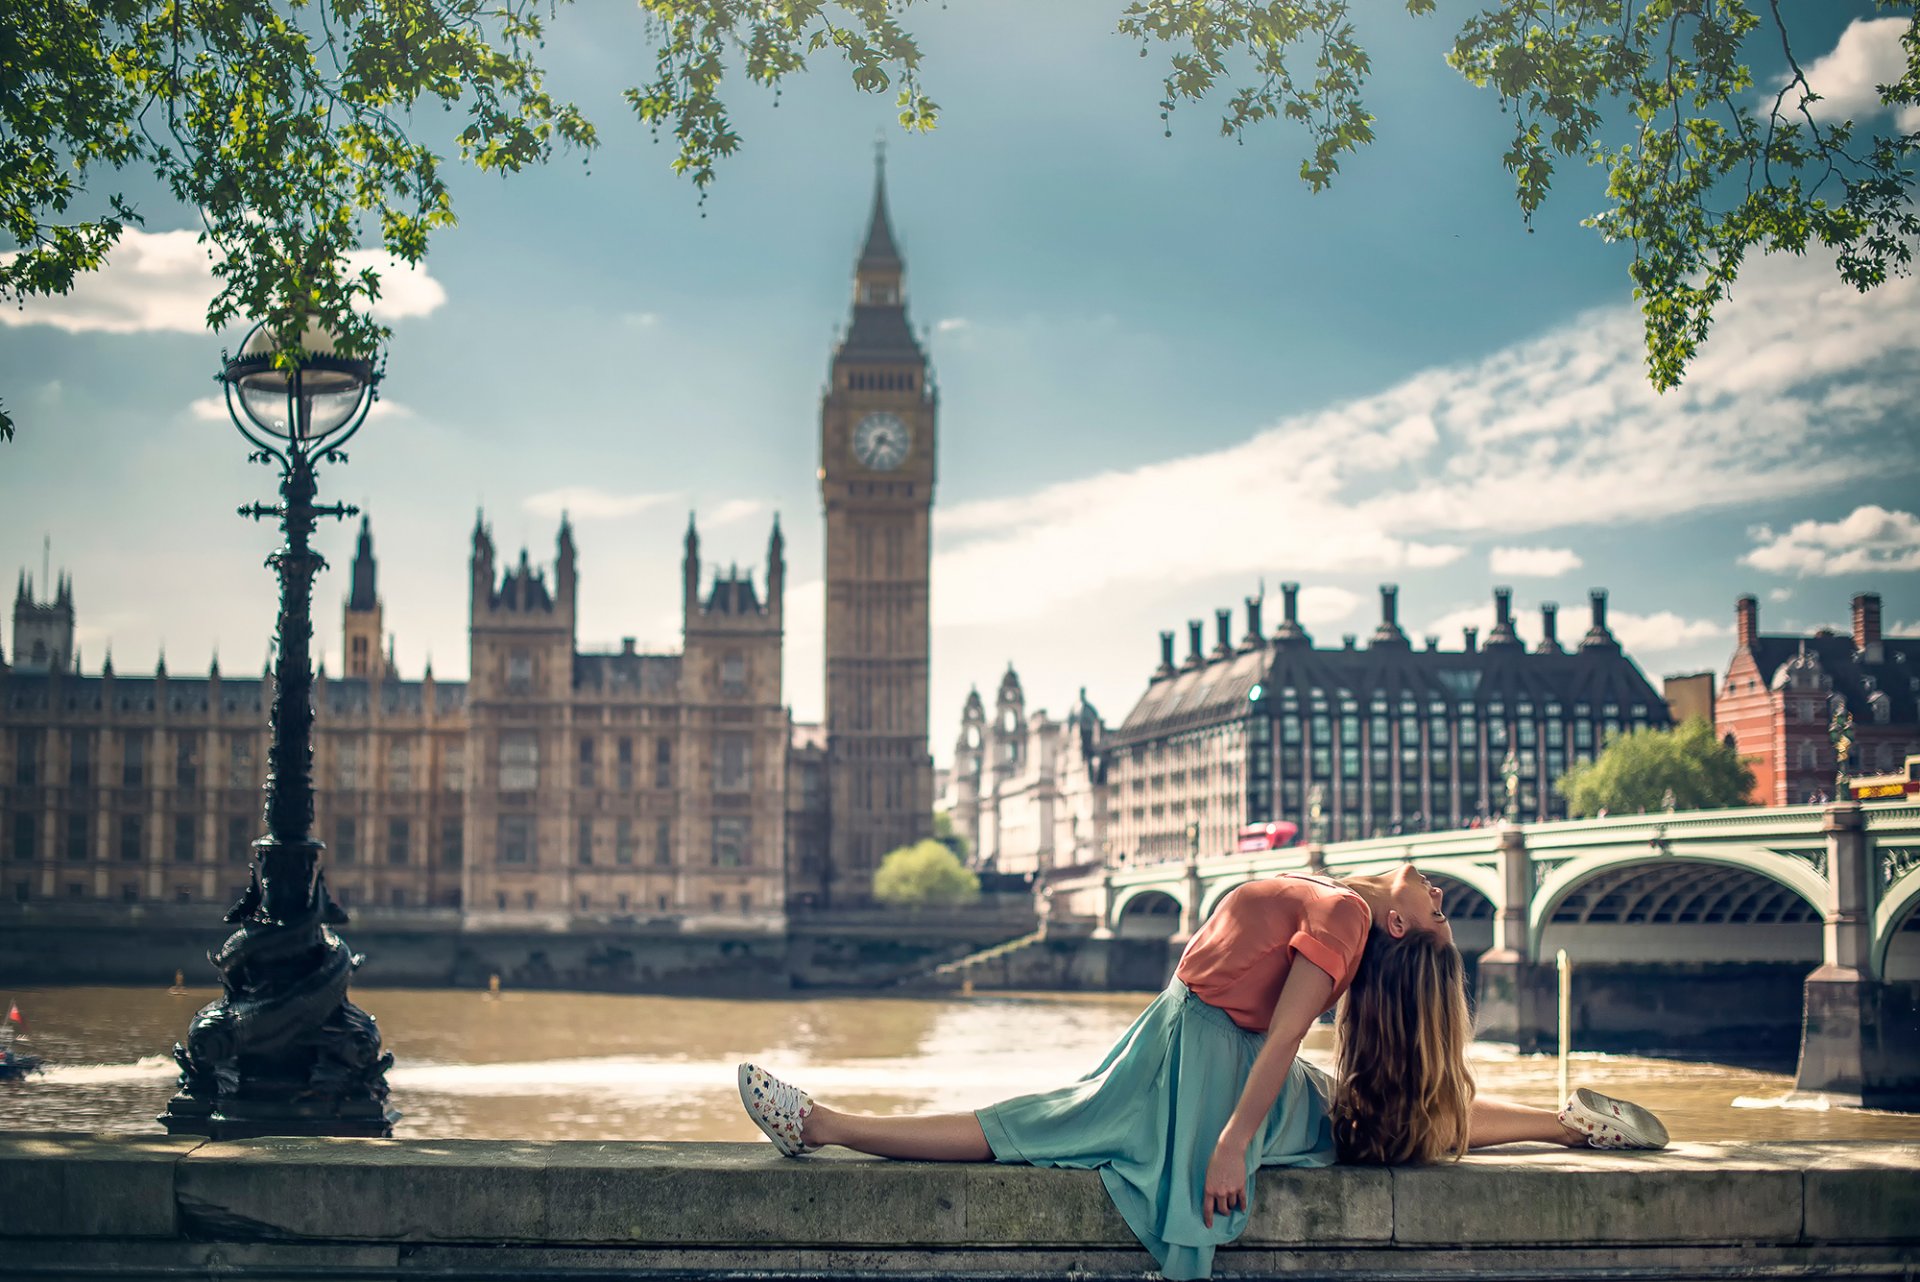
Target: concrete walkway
(74, 1206)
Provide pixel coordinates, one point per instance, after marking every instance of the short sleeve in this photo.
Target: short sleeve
(1333, 938)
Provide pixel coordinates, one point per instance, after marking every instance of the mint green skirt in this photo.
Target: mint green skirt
(1148, 1117)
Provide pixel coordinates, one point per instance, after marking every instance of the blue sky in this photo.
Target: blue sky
(1168, 373)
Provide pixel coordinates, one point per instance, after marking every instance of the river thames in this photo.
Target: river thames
(540, 1065)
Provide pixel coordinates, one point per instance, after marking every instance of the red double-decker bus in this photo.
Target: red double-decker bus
(1268, 836)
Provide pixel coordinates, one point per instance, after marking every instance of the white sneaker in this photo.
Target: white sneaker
(776, 1108)
(1612, 1123)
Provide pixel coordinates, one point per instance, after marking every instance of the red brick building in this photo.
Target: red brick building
(1780, 694)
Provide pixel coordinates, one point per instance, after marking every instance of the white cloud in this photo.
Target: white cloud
(1552, 434)
(1868, 54)
(1777, 595)
(1871, 538)
(1654, 633)
(1320, 603)
(163, 281)
(731, 511)
(951, 324)
(1541, 563)
(640, 320)
(586, 502)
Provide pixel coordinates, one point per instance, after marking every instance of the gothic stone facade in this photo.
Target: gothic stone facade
(553, 782)
(1026, 790)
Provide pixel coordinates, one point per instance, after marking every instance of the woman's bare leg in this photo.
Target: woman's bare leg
(940, 1137)
(1498, 1121)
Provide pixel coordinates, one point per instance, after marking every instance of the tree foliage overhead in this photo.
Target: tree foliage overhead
(925, 874)
(1640, 771)
(300, 128)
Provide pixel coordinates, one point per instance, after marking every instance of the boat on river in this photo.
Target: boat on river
(13, 1064)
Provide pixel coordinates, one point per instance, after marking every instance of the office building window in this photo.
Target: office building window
(729, 841)
(79, 758)
(240, 841)
(732, 772)
(133, 833)
(516, 840)
(27, 745)
(133, 759)
(663, 842)
(583, 843)
(399, 841)
(585, 774)
(24, 838)
(623, 842)
(519, 761)
(185, 838)
(453, 843)
(346, 841)
(186, 761)
(79, 838)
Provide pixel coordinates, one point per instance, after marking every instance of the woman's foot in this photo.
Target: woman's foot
(1606, 1122)
(779, 1110)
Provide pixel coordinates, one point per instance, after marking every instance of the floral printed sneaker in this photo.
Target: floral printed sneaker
(1612, 1123)
(776, 1108)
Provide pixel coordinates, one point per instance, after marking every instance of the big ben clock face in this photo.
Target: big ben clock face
(881, 441)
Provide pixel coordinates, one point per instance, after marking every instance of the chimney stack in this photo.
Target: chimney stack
(1290, 629)
(1866, 626)
(1193, 643)
(1597, 635)
(1166, 655)
(1389, 633)
(1502, 633)
(1746, 622)
(1223, 633)
(1472, 640)
(1549, 628)
(1254, 636)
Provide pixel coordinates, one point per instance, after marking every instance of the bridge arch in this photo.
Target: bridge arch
(1741, 887)
(1897, 916)
(1147, 911)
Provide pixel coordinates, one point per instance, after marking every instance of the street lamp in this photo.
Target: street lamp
(1840, 733)
(283, 1052)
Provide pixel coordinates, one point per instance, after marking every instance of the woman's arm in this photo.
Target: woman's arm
(1302, 998)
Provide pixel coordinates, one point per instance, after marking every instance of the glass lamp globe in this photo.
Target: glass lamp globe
(303, 406)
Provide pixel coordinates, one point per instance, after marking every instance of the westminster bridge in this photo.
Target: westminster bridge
(1716, 915)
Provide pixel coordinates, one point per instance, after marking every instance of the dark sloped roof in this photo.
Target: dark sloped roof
(1218, 691)
(879, 332)
(1854, 679)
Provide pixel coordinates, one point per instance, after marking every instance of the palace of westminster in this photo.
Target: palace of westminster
(678, 787)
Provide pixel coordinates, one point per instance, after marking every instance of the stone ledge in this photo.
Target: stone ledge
(477, 1207)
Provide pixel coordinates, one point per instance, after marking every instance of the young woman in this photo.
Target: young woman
(1207, 1085)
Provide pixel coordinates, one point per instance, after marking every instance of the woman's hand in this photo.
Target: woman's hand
(1226, 1187)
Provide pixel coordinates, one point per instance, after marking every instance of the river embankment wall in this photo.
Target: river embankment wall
(153, 1206)
(1749, 1009)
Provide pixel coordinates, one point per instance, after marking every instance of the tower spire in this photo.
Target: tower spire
(880, 254)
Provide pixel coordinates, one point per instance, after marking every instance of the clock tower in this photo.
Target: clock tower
(876, 486)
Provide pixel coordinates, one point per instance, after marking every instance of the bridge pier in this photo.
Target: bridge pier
(1516, 995)
(1859, 1036)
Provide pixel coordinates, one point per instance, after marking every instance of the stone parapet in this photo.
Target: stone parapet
(74, 1205)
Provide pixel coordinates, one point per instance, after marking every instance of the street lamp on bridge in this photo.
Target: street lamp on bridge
(283, 1052)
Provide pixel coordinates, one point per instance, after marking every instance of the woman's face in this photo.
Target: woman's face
(1413, 903)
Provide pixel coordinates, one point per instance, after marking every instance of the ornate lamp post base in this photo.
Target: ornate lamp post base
(282, 1052)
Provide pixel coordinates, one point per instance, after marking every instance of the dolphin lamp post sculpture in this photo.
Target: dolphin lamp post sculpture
(283, 1052)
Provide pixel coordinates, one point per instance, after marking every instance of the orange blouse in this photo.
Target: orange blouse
(1239, 960)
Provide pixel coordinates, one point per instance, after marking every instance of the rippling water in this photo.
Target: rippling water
(593, 1066)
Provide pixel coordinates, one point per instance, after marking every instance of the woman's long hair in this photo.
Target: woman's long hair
(1404, 1090)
